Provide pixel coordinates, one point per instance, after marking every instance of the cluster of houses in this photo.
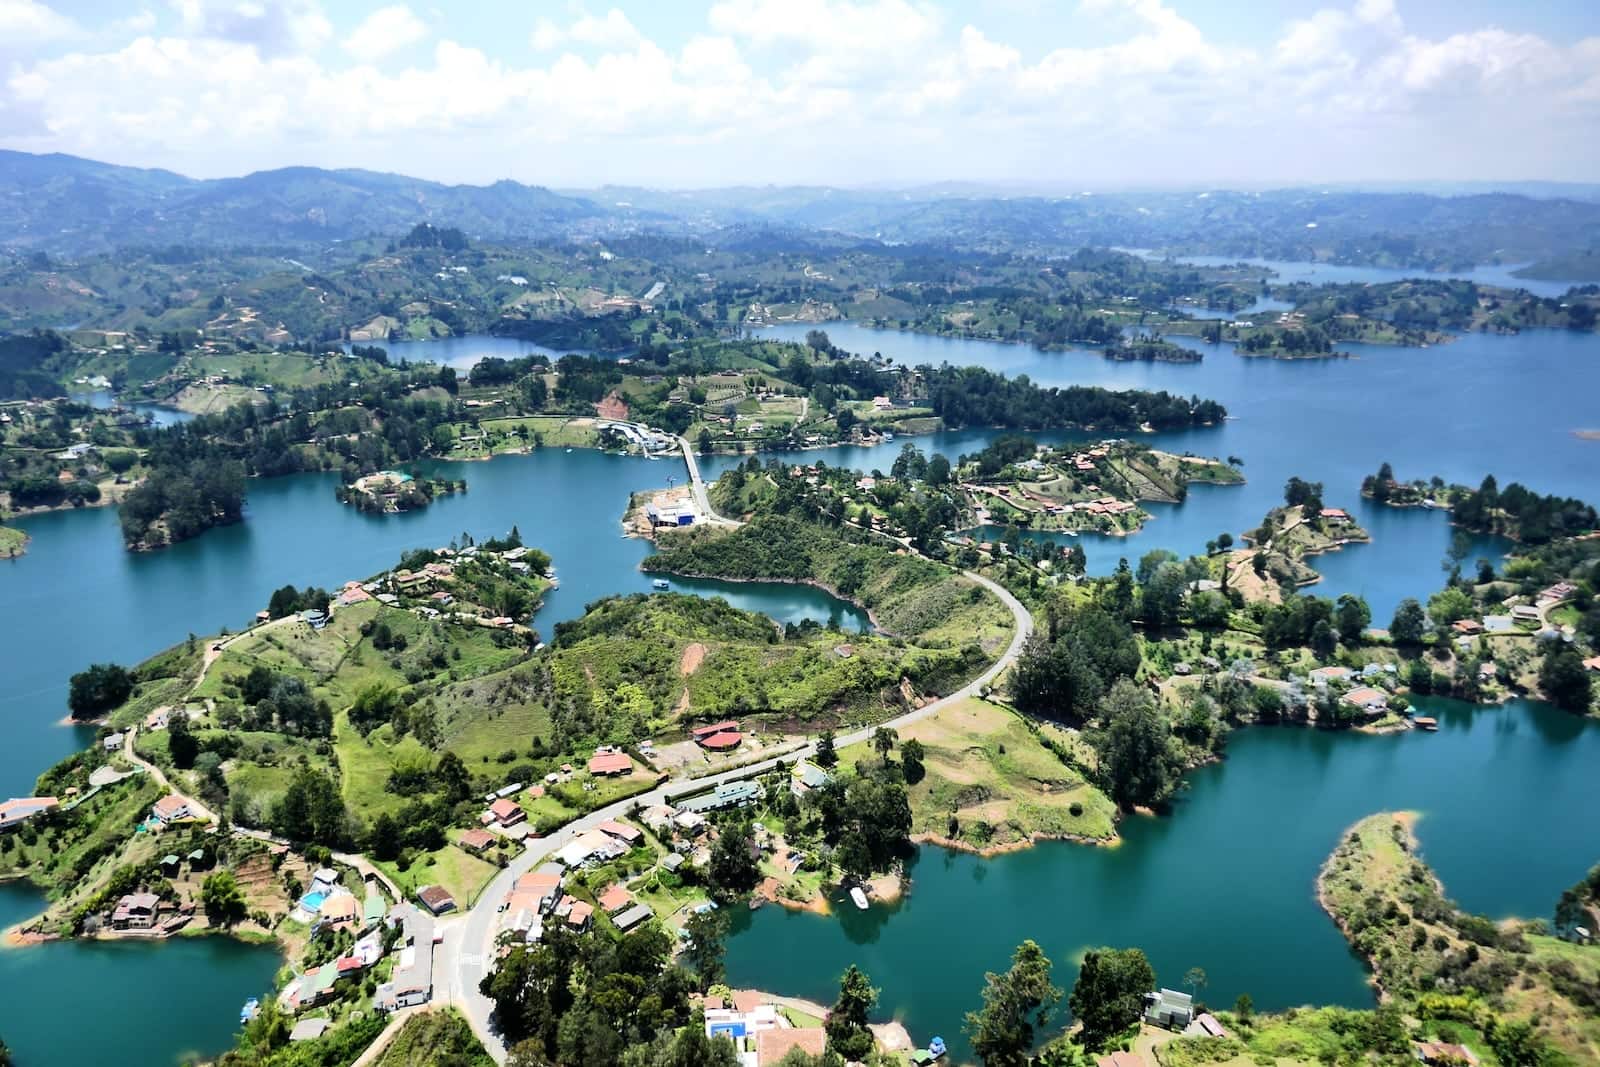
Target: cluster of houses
(406, 930)
(1364, 695)
(538, 898)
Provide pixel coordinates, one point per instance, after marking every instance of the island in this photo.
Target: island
(391, 492)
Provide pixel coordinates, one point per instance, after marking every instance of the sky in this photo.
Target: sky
(671, 93)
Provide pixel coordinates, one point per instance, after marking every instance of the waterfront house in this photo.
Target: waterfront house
(339, 910)
(436, 899)
(1337, 516)
(112, 742)
(1168, 1008)
(171, 808)
(773, 1045)
(608, 761)
(315, 986)
(314, 618)
(136, 911)
(1321, 676)
(1370, 700)
(18, 810)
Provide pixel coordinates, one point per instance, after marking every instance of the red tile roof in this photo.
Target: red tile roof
(610, 763)
(615, 898)
(621, 831)
(773, 1045)
(726, 739)
(714, 728)
(477, 840)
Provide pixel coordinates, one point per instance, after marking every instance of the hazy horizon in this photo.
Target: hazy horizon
(1103, 95)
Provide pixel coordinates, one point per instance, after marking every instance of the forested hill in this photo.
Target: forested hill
(65, 205)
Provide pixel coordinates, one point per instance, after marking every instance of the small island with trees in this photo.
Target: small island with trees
(391, 492)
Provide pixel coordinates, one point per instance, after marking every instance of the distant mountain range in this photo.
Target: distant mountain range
(64, 205)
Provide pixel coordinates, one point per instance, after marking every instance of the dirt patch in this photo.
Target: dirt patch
(693, 656)
(612, 407)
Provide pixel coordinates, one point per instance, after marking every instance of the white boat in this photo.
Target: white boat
(859, 897)
(660, 583)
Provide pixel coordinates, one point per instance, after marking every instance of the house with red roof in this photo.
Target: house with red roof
(614, 899)
(628, 835)
(506, 812)
(608, 761)
(477, 841)
(725, 741)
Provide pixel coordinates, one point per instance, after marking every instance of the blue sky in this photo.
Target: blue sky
(1098, 93)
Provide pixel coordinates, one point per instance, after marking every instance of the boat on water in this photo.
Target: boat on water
(1424, 722)
(932, 1054)
(569, 450)
(252, 1007)
(660, 583)
(859, 897)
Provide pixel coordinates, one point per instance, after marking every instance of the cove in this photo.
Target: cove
(90, 601)
(463, 352)
(1506, 405)
(1225, 882)
(150, 1004)
(1290, 272)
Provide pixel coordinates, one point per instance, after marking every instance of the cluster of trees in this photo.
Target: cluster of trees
(1519, 512)
(23, 360)
(288, 600)
(98, 689)
(427, 235)
(311, 812)
(1064, 672)
(594, 1000)
(185, 497)
(282, 703)
(973, 396)
(1305, 341)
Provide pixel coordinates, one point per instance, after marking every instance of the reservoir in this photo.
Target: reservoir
(1224, 883)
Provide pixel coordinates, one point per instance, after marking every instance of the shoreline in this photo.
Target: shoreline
(812, 582)
(1034, 839)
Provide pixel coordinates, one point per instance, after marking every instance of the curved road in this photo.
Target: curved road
(468, 950)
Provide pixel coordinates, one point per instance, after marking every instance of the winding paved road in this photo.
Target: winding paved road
(468, 949)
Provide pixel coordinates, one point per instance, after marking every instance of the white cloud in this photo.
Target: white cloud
(1131, 89)
(273, 27)
(25, 22)
(386, 30)
(611, 31)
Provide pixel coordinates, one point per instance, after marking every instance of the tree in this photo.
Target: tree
(1016, 1006)
(98, 689)
(1564, 679)
(1195, 979)
(1352, 617)
(1244, 1006)
(1448, 605)
(1323, 641)
(1134, 757)
(938, 470)
(182, 745)
(1408, 624)
(1109, 994)
(707, 931)
(846, 1026)
(883, 739)
(732, 869)
(826, 757)
(911, 766)
(223, 899)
